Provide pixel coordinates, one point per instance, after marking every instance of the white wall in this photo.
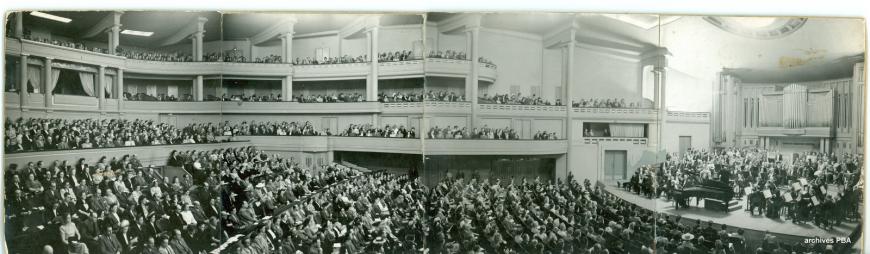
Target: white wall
(599, 75)
(305, 47)
(551, 76)
(354, 47)
(700, 133)
(399, 38)
(518, 57)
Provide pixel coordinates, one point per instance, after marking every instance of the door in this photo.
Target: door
(615, 164)
(685, 144)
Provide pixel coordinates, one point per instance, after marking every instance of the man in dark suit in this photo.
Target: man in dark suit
(178, 244)
(108, 243)
(89, 230)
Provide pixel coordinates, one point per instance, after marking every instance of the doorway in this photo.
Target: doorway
(615, 165)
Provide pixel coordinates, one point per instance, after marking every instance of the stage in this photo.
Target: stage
(737, 218)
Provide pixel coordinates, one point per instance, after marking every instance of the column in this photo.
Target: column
(197, 88)
(287, 88)
(569, 101)
(473, 35)
(372, 87)
(193, 48)
(661, 88)
(19, 24)
(119, 88)
(49, 85)
(101, 86)
(22, 81)
(197, 41)
(287, 47)
(114, 33)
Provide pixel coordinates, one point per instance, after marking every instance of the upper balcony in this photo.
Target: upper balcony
(458, 69)
(202, 107)
(258, 69)
(173, 68)
(247, 107)
(521, 110)
(689, 117)
(400, 69)
(315, 72)
(18, 47)
(616, 114)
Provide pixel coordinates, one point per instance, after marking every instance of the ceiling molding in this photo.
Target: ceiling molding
(284, 25)
(515, 34)
(185, 32)
(105, 23)
(460, 22)
(360, 24)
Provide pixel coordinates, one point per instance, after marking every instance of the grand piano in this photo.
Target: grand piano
(716, 194)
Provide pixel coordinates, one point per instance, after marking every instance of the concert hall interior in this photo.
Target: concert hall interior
(278, 132)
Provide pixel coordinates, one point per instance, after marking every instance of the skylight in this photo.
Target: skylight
(137, 33)
(50, 16)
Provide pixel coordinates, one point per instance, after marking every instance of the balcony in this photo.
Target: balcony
(614, 140)
(521, 110)
(202, 107)
(148, 155)
(447, 108)
(75, 103)
(173, 68)
(380, 145)
(317, 72)
(63, 53)
(494, 147)
(458, 69)
(688, 117)
(247, 107)
(616, 114)
(402, 108)
(400, 69)
(258, 69)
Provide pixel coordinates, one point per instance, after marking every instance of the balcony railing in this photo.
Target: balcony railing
(598, 140)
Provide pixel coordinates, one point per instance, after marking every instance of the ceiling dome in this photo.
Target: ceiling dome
(758, 27)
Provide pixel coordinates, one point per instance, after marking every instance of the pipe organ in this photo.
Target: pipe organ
(815, 114)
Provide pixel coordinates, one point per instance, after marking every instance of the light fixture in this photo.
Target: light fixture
(50, 16)
(136, 33)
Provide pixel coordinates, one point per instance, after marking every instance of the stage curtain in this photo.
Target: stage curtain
(628, 130)
(34, 76)
(87, 82)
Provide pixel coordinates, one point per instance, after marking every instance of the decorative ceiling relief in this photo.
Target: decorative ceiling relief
(757, 27)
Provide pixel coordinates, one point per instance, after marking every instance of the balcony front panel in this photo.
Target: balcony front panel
(40, 49)
(688, 117)
(206, 107)
(494, 147)
(257, 69)
(13, 46)
(288, 143)
(488, 73)
(148, 155)
(402, 108)
(173, 68)
(373, 144)
(235, 107)
(616, 114)
(11, 100)
(331, 71)
(447, 67)
(401, 69)
(75, 103)
(446, 108)
(521, 110)
(110, 105)
(614, 140)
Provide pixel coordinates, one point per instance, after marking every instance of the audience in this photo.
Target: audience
(154, 56)
(331, 98)
(400, 97)
(283, 128)
(40, 134)
(486, 132)
(516, 99)
(443, 95)
(388, 131)
(113, 206)
(606, 103)
(271, 58)
(458, 55)
(69, 44)
(159, 97)
(331, 60)
(253, 98)
(404, 55)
